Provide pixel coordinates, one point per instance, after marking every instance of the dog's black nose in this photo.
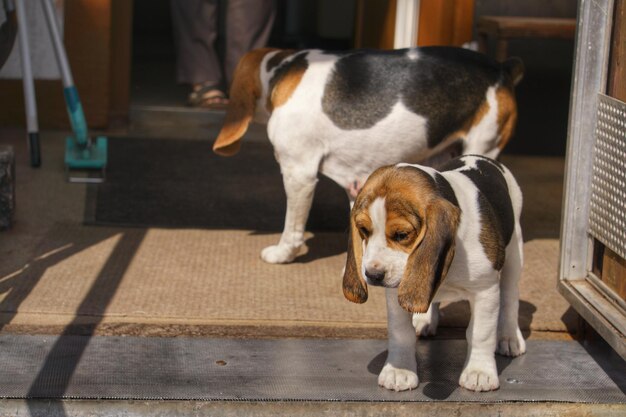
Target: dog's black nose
(375, 275)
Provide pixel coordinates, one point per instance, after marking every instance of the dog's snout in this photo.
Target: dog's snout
(375, 275)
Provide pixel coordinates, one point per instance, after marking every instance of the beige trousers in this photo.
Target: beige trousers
(248, 26)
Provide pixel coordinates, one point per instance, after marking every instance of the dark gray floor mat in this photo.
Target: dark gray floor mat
(182, 183)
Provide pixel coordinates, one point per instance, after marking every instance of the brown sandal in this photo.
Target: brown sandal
(208, 97)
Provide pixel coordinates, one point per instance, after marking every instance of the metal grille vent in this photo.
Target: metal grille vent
(608, 186)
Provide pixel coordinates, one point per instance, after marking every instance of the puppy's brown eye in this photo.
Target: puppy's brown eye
(364, 232)
(400, 236)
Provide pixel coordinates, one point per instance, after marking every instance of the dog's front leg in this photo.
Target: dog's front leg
(299, 185)
(480, 372)
(400, 370)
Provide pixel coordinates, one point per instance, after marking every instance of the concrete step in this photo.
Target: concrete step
(162, 408)
(133, 376)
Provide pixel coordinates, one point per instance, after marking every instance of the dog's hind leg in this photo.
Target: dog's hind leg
(510, 339)
(299, 179)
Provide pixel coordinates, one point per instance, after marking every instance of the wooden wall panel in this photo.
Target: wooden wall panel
(121, 49)
(613, 267)
(614, 272)
(441, 22)
(436, 22)
(375, 24)
(463, 22)
(89, 43)
(445, 22)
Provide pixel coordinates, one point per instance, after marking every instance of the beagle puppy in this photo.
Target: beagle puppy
(429, 236)
(346, 114)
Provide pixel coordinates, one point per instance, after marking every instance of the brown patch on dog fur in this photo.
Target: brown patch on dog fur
(285, 85)
(354, 285)
(489, 237)
(402, 217)
(429, 263)
(507, 115)
(244, 92)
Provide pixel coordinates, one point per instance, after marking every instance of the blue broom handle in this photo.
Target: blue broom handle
(72, 100)
(76, 114)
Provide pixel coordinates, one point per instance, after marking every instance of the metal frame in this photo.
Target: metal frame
(592, 301)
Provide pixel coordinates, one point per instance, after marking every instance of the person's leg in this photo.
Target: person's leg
(248, 26)
(195, 31)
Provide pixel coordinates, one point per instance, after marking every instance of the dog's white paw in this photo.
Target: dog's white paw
(426, 323)
(512, 344)
(279, 254)
(479, 379)
(397, 379)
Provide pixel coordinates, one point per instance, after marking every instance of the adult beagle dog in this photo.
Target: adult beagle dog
(346, 114)
(429, 236)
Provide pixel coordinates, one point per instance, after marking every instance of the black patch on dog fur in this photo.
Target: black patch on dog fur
(361, 90)
(452, 164)
(489, 179)
(299, 61)
(445, 189)
(277, 59)
(445, 85)
(490, 236)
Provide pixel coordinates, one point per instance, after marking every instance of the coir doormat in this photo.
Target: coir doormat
(183, 184)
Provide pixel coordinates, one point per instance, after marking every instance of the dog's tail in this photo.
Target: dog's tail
(514, 68)
(244, 92)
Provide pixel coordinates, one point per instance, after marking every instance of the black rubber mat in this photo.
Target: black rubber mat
(182, 183)
(290, 370)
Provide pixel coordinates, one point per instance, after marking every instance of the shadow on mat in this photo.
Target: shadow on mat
(457, 315)
(319, 246)
(439, 367)
(20, 279)
(324, 245)
(58, 367)
(610, 362)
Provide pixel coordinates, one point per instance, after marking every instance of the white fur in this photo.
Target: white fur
(493, 295)
(306, 142)
(377, 255)
(412, 54)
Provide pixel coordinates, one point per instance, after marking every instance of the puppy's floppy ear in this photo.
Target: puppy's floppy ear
(354, 286)
(429, 262)
(244, 92)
